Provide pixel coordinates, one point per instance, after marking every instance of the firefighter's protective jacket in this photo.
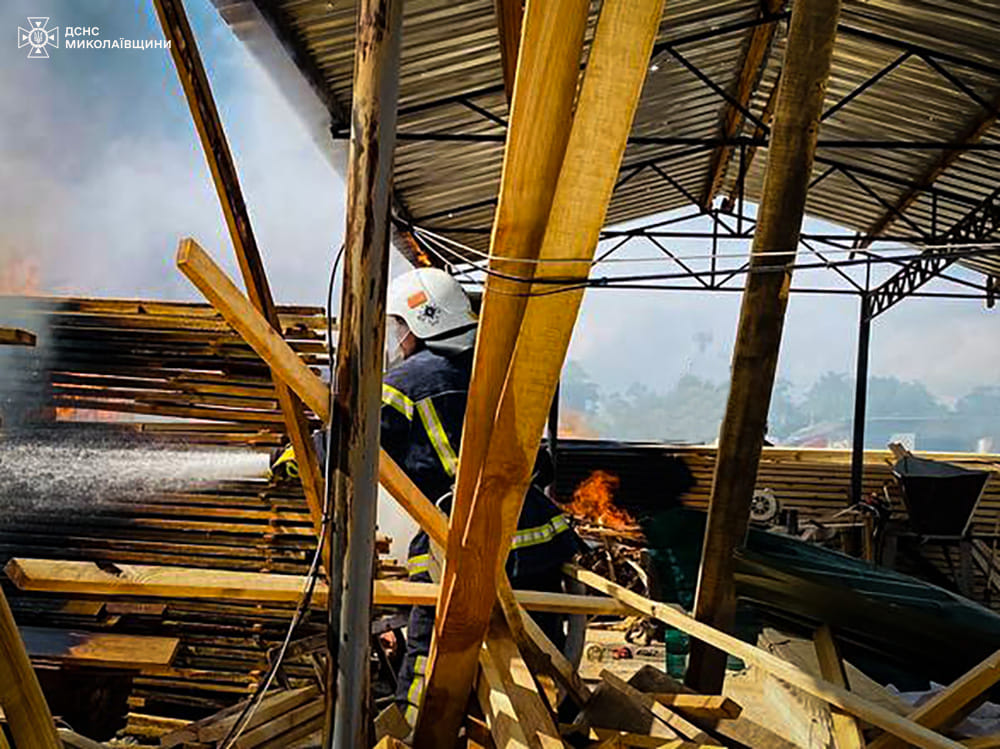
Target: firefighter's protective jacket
(423, 409)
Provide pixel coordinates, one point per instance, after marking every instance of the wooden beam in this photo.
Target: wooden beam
(538, 650)
(358, 374)
(974, 132)
(288, 368)
(992, 741)
(809, 51)
(661, 712)
(831, 693)
(537, 725)
(201, 103)
(86, 578)
(16, 337)
(548, 70)
(21, 696)
(76, 741)
(951, 704)
(510, 14)
(212, 281)
(477, 547)
(754, 62)
(765, 117)
(846, 730)
(623, 739)
(703, 706)
(501, 717)
(100, 649)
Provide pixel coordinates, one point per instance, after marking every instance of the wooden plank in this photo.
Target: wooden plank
(754, 61)
(830, 693)
(16, 337)
(358, 374)
(767, 113)
(391, 722)
(478, 545)
(991, 741)
(707, 706)
(100, 649)
(21, 697)
(846, 730)
(216, 286)
(538, 650)
(86, 578)
(201, 103)
(683, 727)
(537, 725)
(951, 704)
(280, 724)
(548, 68)
(290, 737)
(390, 742)
(501, 717)
(808, 55)
(195, 263)
(626, 739)
(216, 727)
(76, 741)
(509, 16)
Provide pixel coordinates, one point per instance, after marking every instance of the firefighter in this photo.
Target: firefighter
(430, 340)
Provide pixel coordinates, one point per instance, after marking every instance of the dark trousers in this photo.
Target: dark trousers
(409, 693)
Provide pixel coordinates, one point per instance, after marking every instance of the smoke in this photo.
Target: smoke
(109, 173)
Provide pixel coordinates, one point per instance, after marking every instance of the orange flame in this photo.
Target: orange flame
(574, 424)
(594, 501)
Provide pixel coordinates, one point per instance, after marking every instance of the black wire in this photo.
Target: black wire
(313, 573)
(328, 507)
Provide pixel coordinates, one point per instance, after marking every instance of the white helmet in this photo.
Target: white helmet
(430, 302)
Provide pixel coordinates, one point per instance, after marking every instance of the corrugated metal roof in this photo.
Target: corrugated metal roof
(451, 49)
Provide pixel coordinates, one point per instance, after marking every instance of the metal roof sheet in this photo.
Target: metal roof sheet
(451, 49)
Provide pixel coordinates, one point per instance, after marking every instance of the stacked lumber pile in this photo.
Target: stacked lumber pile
(166, 374)
(281, 719)
(813, 483)
(816, 483)
(155, 358)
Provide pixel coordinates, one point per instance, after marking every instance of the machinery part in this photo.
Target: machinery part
(764, 507)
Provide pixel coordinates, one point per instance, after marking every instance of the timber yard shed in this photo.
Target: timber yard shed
(520, 146)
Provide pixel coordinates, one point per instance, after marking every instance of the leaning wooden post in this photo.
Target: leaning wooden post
(358, 377)
(809, 51)
(20, 693)
(198, 92)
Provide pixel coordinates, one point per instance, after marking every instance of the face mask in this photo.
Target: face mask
(395, 333)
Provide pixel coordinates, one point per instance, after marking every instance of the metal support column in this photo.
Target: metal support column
(552, 438)
(860, 401)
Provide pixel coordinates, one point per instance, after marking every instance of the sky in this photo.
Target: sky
(103, 173)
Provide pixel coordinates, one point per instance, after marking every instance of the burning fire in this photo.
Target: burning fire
(594, 501)
(574, 424)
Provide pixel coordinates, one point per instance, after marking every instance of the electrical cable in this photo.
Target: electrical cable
(464, 250)
(569, 284)
(312, 576)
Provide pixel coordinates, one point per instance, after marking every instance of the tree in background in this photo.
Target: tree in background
(692, 410)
